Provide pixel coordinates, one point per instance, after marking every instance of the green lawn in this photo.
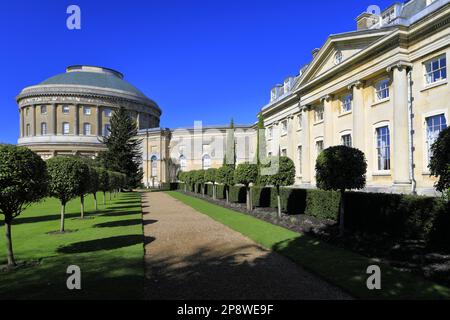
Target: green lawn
(108, 247)
(339, 266)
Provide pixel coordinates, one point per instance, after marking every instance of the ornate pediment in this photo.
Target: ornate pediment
(337, 50)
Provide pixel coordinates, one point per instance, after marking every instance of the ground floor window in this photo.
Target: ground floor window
(319, 147)
(435, 125)
(154, 162)
(43, 128)
(383, 148)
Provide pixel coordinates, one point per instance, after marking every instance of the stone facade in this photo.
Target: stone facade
(69, 113)
(382, 89)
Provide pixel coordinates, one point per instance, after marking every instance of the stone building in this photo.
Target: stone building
(68, 114)
(382, 89)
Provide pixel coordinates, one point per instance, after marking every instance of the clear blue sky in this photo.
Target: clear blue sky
(206, 60)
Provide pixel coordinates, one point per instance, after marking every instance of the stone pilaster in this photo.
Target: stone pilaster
(53, 125)
(33, 122)
(77, 119)
(400, 146)
(306, 154)
(99, 120)
(328, 120)
(358, 113)
(21, 122)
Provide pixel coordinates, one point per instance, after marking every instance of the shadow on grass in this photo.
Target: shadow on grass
(348, 270)
(105, 244)
(120, 223)
(48, 280)
(52, 217)
(118, 213)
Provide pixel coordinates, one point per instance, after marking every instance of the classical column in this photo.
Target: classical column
(358, 112)
(34, 120)
(53, 126)
(328, 120)
(77, 120)
(306, 156)
(399, 148)
(99, 121)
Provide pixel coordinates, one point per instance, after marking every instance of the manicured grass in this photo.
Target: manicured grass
(339, 266)
(107, 246)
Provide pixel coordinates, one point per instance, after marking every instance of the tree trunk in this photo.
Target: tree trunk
(341, 214)
(11, 260)
(95, 201)
(185, 187)
(63, 211)
(110, 198)
(203, 190)
(248, 199)
(214, 191)
(227, 194)
(104, 198)
(82, 206)
(279, 202)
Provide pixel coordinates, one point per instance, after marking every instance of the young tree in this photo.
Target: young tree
(246, 174)
(103, 182)
(182, 177)
(124, 152)
(340, 168)
(225, 176)
(85, 184)
(66, 175)
(23, 180)
(284, 176)
(200, 179)
(210, 176)
(440, 162)
(94, 184)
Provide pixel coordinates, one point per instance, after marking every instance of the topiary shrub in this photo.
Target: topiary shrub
(261, 196)
(238, 194)
(340, 168)
(225, 176)
(246, 174)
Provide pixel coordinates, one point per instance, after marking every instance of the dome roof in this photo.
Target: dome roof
(94, 77)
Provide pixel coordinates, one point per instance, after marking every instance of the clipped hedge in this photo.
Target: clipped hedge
(238, 194)
(170, 186)
(261, 196)
(220, 192)
(400, 216)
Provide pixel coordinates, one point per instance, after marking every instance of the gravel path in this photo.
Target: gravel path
(190, 256)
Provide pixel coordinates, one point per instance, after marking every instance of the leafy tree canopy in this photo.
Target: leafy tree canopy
(67, 175)
(225, 175)
(23, 179)
(341, 168)
(285, 173)
(440, 160)
(210, 175)
(246, 173)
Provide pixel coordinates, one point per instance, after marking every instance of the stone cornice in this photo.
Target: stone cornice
(87, 99)
(82, 91)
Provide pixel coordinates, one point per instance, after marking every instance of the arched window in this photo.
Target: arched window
(154, 162)
(183, 163)
(206, 162)
(43, 128)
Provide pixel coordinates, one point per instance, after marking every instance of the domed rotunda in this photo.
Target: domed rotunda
(68, 113)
